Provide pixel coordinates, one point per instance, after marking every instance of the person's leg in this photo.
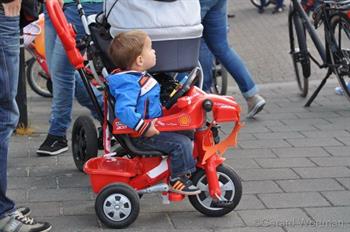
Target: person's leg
(262, 6)
(179, 148)
(206, 60)
(9, 71)
(80, 90)
(279, 7)
(50, 39)
(215, 35)
(214, 20)
(64, 76)
(83, 97)
(63, 82)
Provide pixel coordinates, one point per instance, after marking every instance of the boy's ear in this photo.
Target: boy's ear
(139, 61)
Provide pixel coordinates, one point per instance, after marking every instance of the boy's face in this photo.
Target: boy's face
(148, 54)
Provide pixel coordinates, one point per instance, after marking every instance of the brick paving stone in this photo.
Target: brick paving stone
(300, 152)
(344, 139)
(77, 207)
(285, 162)
(195, 220)
(324, 115)
(345, 182)
(292, 200)
(250, 153)
(17, 194)
(305, 122)
(333, 161)
(266, 143)
(314, 142)
(267, 174)
(332, 214)
(261, 186)
(75, 181)
(268, 217)
(31, 182)
(44, 209)
(279, 135)
(292, 128)
(240, 163)
(338, 151)
(325, 134)
(341, 198)
(60, 194)
(309, 185)
(249, 202)
(323, 172)
(254, 229)
(333, 227)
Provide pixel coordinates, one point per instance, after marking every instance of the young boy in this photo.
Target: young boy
(137, 97)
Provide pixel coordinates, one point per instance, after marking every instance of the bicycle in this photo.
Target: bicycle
(220, 75)
(36, 67)
(333, 14)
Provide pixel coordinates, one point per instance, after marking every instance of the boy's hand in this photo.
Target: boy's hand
(152, 130)
(12, 8)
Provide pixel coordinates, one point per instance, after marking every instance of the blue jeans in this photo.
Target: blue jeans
(9, 71)
(262, 4)
(177, 145)
(66, 82)
(214, 20)
(279, 3)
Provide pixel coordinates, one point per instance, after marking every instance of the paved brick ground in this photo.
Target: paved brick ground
(294, 161)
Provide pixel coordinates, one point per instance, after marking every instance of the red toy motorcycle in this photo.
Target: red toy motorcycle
(120, 178)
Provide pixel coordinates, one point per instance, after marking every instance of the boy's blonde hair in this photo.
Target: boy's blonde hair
(126, 47)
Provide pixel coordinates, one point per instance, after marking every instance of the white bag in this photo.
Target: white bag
(161, 20)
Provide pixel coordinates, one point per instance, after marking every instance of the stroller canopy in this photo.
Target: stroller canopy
(161, 20)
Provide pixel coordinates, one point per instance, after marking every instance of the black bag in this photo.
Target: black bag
(29, 12)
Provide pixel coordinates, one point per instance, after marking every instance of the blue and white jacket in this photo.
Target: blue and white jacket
(137, 97)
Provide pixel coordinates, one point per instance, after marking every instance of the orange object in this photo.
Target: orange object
(176, 196)
(39, 42)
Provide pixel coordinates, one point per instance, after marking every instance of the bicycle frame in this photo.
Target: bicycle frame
(41, 60)
(298, 9)
(325, 51)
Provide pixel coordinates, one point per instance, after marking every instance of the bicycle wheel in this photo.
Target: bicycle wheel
(340, 24)
(257, 3)
(38, 79)
(298, 51)
(219, 85)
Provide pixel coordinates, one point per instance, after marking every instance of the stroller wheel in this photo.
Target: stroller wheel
(231, 188)
(117, 205)
(84, 141)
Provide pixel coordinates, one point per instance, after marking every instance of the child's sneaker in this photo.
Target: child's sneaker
(183, 185)
(16, 222)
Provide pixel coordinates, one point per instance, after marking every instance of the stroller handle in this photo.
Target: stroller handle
(65, 32)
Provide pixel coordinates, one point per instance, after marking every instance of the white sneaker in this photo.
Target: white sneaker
(339, 91)
(17, 222)
(255, 105)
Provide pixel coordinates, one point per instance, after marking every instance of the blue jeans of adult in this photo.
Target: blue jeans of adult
(66, 82)
(9, 71)
(177, 145)
(262, 4)
(279, 3)
(214, 20)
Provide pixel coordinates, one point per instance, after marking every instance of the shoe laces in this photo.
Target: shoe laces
(24, 219)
